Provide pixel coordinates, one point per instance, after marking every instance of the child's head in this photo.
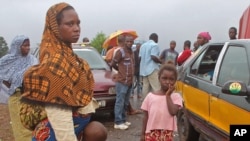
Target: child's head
(95, 131)
(167, 75)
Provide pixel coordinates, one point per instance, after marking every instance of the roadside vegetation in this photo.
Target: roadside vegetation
(98, 40)
(3, 46)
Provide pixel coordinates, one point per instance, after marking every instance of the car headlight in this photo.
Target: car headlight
(112, 90)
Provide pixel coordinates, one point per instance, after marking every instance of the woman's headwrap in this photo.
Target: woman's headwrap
(14, 64)
(205, 35)
(61, 77)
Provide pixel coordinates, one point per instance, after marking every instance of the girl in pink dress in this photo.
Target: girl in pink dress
(160, 107)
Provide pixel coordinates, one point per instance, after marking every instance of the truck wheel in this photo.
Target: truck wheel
(185, 129)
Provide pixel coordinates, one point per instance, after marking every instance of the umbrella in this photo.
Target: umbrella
(244, 27)
(112, 39)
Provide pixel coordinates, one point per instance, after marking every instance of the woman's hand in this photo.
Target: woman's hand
(6, 83)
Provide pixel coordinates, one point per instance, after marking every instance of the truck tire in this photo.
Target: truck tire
(185, 130)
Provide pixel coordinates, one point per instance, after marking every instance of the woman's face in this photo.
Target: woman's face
(69, 26)
(25, 47)
(167, 78)
(201, 41)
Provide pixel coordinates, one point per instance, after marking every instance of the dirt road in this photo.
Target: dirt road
(132, 134)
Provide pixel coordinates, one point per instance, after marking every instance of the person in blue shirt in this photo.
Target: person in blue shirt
(149, 64)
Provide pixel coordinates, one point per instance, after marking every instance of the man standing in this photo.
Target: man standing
(232, 33)
(123, 61)
(185, 54)
(149, 64)
(170, 54)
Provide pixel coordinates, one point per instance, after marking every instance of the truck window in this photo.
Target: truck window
(234, 66)
(204, 65)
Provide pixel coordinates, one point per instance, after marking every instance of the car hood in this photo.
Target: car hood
(103, 79)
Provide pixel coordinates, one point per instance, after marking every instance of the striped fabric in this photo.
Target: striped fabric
(61, 77)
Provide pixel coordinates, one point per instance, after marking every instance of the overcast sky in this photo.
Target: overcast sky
(171, 19)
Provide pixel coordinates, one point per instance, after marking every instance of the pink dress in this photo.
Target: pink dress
(158, 114)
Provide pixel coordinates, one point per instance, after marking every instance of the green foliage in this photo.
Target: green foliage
(3, 47)
(98, 41)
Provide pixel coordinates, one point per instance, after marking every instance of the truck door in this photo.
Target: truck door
(228, 109)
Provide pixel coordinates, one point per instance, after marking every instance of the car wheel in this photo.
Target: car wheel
(185, 130)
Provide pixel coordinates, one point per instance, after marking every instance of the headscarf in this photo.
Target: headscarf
(14, 64)
(61, 77)
(205, 35)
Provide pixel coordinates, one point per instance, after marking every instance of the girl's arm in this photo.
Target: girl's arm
(144, 125)
(172, 108)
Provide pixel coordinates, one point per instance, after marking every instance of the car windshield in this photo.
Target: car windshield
(93, 58)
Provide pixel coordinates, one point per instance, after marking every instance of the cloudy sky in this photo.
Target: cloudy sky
(171, 19)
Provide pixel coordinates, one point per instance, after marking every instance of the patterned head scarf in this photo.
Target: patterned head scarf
(61, 77)
(14, 64)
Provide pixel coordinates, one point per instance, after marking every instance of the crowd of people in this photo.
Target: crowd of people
(158, 71)
(69, 104)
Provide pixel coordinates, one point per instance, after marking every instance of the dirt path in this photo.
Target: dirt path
(5, 126)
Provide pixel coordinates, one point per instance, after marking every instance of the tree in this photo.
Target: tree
(98, 41)
(3, 47)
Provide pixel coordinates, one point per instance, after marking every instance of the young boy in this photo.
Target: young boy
(170, 54)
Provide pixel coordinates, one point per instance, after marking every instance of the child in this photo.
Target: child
(95, 131)
(159, 123)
